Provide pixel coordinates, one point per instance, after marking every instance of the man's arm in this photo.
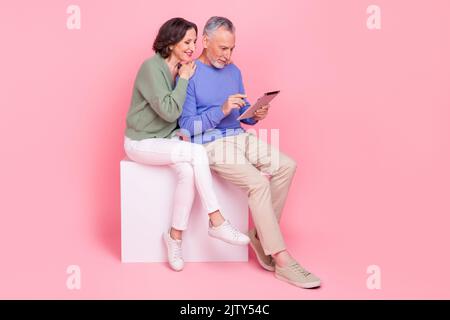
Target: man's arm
(196, 124)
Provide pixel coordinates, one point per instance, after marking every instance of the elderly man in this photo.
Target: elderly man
(215, 99)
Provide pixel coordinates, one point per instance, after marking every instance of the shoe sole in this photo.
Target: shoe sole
(308, 285)
(229, 241)
(261, 263)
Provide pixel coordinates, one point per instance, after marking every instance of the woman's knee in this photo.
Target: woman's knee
(199, 155)
(184, 171)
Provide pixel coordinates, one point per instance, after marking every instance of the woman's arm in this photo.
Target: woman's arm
(167, 103)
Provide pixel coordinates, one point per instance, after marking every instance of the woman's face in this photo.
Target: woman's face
(184, 49)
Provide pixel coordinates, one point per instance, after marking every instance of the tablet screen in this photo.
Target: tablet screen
(262, 101)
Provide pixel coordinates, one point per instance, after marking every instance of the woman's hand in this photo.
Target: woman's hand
(187, 70)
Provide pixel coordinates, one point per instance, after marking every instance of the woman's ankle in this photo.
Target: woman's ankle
(176, 234)
(216, 218)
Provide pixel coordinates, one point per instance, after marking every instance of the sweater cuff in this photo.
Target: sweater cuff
(217, 115)
(249, 121)
(183, 82)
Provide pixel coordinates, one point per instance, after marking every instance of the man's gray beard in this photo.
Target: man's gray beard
(218, 65)
(215, 63)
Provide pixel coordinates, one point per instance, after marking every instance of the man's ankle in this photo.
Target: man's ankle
(282, 258)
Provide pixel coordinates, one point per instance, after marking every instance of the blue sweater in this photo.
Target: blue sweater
(202, 116)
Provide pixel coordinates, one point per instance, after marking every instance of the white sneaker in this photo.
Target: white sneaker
(228, 233)
(174, 254)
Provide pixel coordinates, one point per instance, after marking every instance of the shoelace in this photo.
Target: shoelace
(175, 251)
(233, 230)
(298, 269)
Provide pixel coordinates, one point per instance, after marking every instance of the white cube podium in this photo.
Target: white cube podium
(146, 212)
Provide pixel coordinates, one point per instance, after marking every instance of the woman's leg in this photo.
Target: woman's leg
(183, 199)
(196, 155)
(219, 227)
(174, 151)
(159, 152)
(179, 155)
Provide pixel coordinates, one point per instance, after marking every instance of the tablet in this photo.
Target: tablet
(262, 101)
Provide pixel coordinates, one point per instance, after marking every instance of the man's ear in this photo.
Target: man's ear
(205, 41)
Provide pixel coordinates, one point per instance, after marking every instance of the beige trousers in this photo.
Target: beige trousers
(246, 161)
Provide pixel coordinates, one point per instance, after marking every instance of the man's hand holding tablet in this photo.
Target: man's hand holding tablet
(261, 113)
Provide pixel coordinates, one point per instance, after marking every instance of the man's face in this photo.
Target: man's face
(219, 47)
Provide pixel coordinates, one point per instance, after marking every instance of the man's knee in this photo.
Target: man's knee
(258, 183)
(288, 164)
(244, 176)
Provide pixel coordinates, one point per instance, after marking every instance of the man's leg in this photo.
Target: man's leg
(227, 158)
(247, 176)
(279, 166)
(282, 169)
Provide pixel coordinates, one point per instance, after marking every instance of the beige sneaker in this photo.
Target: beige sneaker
(296, 275)
(266, 262)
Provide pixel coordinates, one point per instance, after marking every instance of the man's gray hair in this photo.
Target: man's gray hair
(215, 23)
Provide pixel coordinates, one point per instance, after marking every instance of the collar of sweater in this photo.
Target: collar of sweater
(165, 69)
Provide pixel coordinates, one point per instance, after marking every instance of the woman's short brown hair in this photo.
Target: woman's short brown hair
(170, 33)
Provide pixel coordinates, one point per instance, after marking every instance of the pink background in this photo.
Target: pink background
(365, 113)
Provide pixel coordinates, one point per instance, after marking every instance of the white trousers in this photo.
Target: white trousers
(190, 162)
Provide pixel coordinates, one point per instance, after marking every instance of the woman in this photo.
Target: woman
(150, 138)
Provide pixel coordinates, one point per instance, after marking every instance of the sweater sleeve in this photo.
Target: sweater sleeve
(167, 103)
(198, 123)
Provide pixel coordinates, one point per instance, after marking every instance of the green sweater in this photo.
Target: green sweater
(155, 104)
